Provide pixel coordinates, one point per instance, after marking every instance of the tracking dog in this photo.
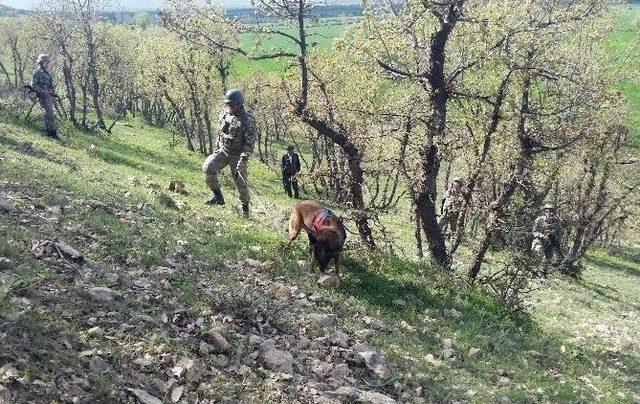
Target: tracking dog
(325, 230)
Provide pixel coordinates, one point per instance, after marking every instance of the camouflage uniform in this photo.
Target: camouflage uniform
(236, 136)
(42, 83)
(547, 233)
(453, 201)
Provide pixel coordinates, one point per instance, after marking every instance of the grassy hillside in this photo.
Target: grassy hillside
(175, 270)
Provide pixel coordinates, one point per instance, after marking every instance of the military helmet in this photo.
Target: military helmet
(43, 58)
(290, 147)
(457, 179)
(549, 206)
(234, 96)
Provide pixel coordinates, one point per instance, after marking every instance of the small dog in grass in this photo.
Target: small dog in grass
(325, 230)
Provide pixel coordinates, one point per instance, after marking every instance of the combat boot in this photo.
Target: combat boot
(216, 199)
(245, 209)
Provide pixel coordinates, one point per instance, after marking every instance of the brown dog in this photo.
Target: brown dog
(325, 230)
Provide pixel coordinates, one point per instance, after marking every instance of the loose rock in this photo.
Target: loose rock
(144, 397)
(374, 362)
(269, 266)
(98, 365)
(399, 302)
(5, 263)
(253, 263)
(6, 206)
(276, 359)
(372, 397)
(176, 394)
(103, 294)
(217, 340)
(328, 280)
(95, 332)
(323, 320)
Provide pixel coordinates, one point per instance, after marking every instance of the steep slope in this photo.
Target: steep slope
(173, 300)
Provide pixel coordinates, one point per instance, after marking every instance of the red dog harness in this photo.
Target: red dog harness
(319, 219)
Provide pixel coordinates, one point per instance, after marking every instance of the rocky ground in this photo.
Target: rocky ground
(98, 330)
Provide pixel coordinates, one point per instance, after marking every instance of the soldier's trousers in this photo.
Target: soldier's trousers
(49, 115)
(448, 219)
(552, 248)
(219, 160)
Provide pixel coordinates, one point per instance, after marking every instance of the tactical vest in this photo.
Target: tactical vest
(231, 130)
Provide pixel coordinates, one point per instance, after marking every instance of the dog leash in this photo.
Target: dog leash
(263, 206)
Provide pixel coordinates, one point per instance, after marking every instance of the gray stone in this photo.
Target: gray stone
(276, 359)
(6, 206)
(347, 391)
(5, 263)
(399, 302)
(95, 332)
(68, 252)
(372, 397)
(328, 280)
(323, 320)
(253, 263)
(144, 397)
(339, 338)
(373, 361)
(98, 365)
(103, 294)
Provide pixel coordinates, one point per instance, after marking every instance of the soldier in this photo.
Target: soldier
(236, 136)
(42, 84)
(290, 169)
(451, 206)
(547, 234)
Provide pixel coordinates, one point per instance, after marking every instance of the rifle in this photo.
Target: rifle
(30, 89)
(57, 105)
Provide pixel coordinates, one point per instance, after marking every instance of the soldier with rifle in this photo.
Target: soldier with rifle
(42, 85)
(547, 233)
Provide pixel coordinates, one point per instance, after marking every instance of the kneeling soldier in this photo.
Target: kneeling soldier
(236, 136)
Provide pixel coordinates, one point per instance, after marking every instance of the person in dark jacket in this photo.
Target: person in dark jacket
(290, 170)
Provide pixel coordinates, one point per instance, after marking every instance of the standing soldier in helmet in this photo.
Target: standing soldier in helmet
(451, 206)
(42, 84)
(236, 136)
(547, 233)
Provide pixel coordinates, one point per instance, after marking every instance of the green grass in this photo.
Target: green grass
(577, 344)
(624, 38)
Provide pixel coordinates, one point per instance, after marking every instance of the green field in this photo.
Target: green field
(623, 39)
(321, 34)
